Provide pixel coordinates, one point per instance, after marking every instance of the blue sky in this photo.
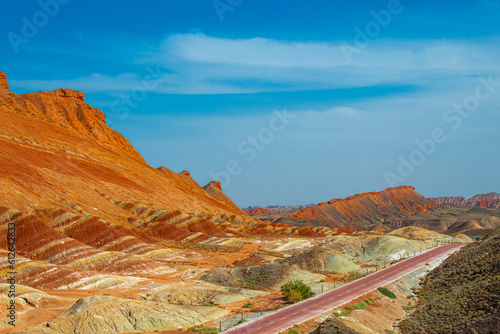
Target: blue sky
(287, 102)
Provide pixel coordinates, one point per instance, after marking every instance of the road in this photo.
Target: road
(297, 313)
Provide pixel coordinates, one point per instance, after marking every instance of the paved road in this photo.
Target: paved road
(287, 317)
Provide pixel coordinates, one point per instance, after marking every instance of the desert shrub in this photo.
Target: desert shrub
(203, 330)
(296, 291)
(387, 293)
(360, 306)
(355, 275)
(293, 331)
(341, 314)
(247, 305)
(294, 296)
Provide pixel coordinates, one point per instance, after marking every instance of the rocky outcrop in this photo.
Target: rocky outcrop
(370, 207)
(214, 189)
(3, 80)
(485, 201)
(261, 277)
(66, 108)
(213, 185)
(66, 92)
(198, 295)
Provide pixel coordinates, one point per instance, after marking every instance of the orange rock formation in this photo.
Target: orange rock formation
(369, 206)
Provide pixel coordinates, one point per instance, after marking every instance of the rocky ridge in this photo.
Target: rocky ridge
(370, 207)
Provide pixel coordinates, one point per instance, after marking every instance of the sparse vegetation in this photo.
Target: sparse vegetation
(387, 293)
(355, 275)
(342, 314)
(360, 306)
(203, 330)
(296, 291)
(370, 302)
(461, 295)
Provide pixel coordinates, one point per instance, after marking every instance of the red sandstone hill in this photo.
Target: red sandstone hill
(369, 207)
(485, 201)
(85, 186)
(56, 148)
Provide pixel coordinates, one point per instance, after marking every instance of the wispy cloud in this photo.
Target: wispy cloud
(206, 61)
(200, 64)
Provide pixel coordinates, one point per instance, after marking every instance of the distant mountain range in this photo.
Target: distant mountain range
(391, 209)
(391, 202)
(485, 201)
(273, 209)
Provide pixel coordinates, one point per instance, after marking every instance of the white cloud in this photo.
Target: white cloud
(257, 64)
(200, 64)
(199, 48)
